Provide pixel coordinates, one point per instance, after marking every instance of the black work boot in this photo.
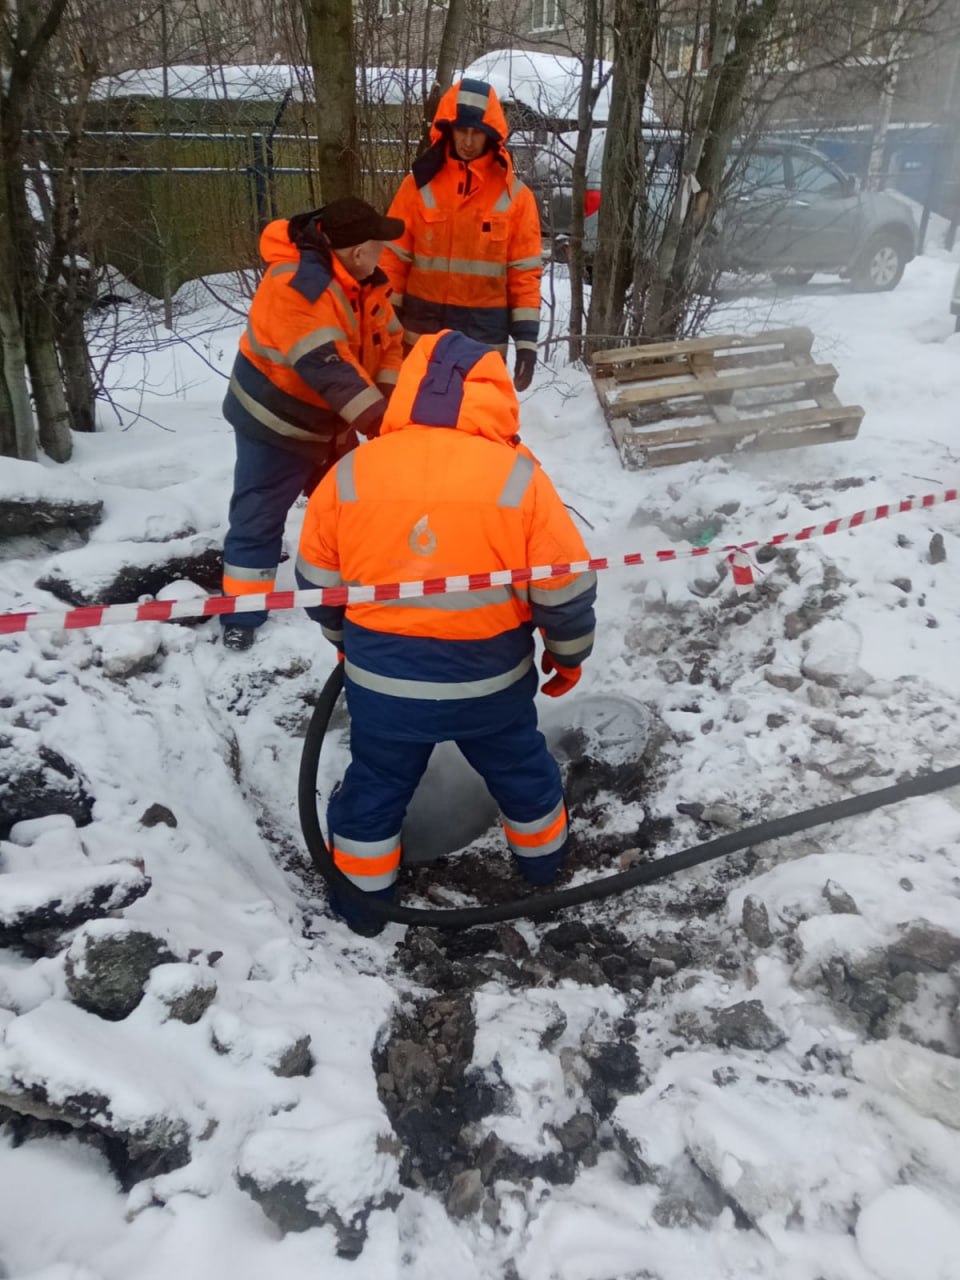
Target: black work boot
(238, 638)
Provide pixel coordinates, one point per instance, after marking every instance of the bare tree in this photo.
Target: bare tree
(17, 439)
(725, 71)
(333, 59)
(26, 33)
(737, 30)
(451, 50)
(621, 211)
(585, 105)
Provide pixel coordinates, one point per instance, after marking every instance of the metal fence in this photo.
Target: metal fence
(170, 207)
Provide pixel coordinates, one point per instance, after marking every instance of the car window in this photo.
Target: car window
(762, 169)
(812, 176)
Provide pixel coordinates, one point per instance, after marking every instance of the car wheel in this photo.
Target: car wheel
(880, 266)
(791, 277)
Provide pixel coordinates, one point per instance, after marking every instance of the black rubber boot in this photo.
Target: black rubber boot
(238, 638)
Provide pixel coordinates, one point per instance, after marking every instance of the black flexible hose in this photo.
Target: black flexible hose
(543, 904)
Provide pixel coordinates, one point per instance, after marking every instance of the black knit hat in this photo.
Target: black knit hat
(351, 221)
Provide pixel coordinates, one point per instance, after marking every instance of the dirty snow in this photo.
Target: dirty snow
(832, 1156)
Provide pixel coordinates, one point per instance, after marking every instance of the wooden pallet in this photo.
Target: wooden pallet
(678, 401)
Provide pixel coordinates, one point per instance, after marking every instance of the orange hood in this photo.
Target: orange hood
(470, 104)
(275, 244)
(448, 380)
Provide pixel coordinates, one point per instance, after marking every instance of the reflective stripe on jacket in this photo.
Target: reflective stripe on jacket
(318, 347)
(470, 257)
(422, 503)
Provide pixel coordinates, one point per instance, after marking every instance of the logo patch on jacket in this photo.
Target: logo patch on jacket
(422, 540)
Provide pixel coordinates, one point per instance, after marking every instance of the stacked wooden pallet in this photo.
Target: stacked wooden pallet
(678, 401)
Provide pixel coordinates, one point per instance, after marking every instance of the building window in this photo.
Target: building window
(545, 15)
(685, 50)
(390, 8)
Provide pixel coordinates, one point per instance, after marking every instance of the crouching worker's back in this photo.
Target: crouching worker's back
(446, 490)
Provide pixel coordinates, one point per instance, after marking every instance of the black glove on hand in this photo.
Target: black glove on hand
(523, 368)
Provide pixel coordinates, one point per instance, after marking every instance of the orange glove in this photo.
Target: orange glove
(563, 681)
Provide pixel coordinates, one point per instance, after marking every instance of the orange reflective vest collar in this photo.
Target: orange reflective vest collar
(318, 350)
(471, 255)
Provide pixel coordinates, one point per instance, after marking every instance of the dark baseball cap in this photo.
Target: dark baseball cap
(351, 221)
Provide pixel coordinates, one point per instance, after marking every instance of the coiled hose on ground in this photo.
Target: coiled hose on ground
(543, 904)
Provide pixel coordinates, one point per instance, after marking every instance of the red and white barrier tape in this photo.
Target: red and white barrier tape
(737, 555)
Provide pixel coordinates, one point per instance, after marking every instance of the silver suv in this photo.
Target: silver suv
(788, 210)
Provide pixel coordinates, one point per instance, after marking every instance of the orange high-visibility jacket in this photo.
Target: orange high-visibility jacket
(471, 256)
(320, 350)
(427, 501)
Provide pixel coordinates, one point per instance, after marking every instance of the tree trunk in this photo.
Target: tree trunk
(25, 320)
(585, 107)
(721, 25)
(17, 438)
(53, 417)
(70, 287)
(333, 61)
(623, 167)
(888, 91)
(716, 133)
(451, 45)
(71, 307)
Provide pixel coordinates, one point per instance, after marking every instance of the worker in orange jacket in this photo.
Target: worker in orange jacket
(470, 257)
(428, 501)
(317, 364)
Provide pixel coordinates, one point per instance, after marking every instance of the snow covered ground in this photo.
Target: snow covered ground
(752, 1069)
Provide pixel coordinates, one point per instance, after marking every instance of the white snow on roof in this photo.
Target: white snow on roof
(258, 83)
(546, 82)
(252, 83)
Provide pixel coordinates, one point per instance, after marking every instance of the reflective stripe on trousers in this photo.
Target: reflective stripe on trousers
(266, 483)
(538, 838)
(369, 864)
(238, 581)
(371, 802)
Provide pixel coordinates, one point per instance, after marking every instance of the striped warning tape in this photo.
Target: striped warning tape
(738, 555)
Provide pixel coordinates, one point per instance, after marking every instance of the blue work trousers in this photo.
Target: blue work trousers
(514, 762)
(266, 483)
